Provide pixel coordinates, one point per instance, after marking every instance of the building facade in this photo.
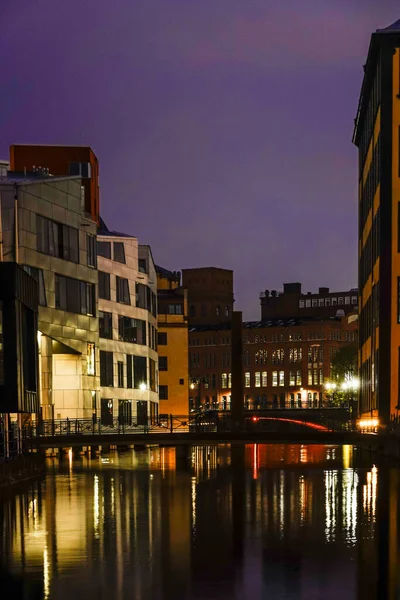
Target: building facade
(127, 329)
(62, 161)
(376, 135)
(292, 303)
(45, 229)
(173, 343)
(210, 295)
(286, 363)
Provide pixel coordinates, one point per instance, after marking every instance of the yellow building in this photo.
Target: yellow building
(376, 135)
(173, 360)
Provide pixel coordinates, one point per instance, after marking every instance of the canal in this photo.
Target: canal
(249, 522)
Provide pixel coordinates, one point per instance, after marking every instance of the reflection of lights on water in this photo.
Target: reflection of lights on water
(70, 459)
(46, 574)
(282, 502)
(347, 456)
(112, 497)
(303, 454)
(194, 496)
(96, 507)
(330, 504)
(349, 505)
(255, 461)
(303, 501)
(105, 460)
(370, 491)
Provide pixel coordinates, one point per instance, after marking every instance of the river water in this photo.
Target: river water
(272, 522)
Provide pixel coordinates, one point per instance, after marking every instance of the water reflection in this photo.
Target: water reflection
(260, 521)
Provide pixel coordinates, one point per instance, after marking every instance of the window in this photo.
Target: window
(247, 379)
(75, 296)
(142, 265)
(321, 302)
(309, 380)
(163, 392)
(314, 302)
(104, 285)
(278, 356)
(140, 372)
(264, 379)
(354, 299)
(106, 407)
(218, 311)
(192, 311)
(224, 380)
(91, 359)
(308, 303)
(175, 309)
(274, 378)
(292, 378)
(37, 274)
(105, 325)
(347, 300)
(181, 382)
(123, 291)
(125, 412)
(104, 249)
(229, 380)
(129, 371)
(298, 378)
(56, 239)
(106, 368)
(340, 300)
(257, 379)
(119, 252)
(327, 301)
(301, 303)
(132, 330)
(141, 296)
(316, 377)
(334, 301)
(91, 250)
(83, 169)
(227, 311)
(120, 365)
(163, 363)
(281, 378)
(162, 338)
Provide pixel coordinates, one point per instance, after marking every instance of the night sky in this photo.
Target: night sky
(223, 127)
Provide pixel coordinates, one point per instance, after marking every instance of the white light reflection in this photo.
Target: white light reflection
(112, 497)
(330, 505)
(46, 575)
(349, 505)
(302, 486)
(194, 499)
(370, 491)
(282, 503)
(96, 508)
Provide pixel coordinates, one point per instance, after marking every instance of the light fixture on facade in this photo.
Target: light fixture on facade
(143, 387)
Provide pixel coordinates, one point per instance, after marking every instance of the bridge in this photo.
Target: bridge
(310, 426)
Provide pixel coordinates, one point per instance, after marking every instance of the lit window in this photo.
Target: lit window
(264, 379)
(274, 378)
(308, 303)
(229, 380)
(91, 370)
(257, 379)
(340, 301)
(354, 299)
(301, 303)
(321, 302)
(310, 376)
(247, 379)
(347, 300)
(224, 380)
(327, 301)
(298, 378)
(292, 378)
(314, 302)
(281, 378)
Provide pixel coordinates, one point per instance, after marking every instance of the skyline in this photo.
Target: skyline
(195, 102)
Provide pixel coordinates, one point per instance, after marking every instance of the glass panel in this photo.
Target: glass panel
(104, 249)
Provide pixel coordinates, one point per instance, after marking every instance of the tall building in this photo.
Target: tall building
(210, 295)
(45, 229)
(62, 161)
(172, 343)
(292, 303)
(376, 134)
(127, 329)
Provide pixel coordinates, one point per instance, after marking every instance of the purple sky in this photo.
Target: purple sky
(223, 127)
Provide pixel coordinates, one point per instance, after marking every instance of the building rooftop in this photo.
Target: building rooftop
(166, 274)
(103, 230)
(393, 28)
(266, 324)
(13, 178)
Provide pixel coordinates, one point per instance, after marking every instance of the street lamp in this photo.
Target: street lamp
(330, 387)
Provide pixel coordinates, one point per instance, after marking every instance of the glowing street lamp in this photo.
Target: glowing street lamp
(143, 387)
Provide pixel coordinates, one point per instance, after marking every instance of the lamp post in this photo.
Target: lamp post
(351, 386)
(330, 387)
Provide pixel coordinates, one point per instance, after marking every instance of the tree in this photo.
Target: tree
(344, 363)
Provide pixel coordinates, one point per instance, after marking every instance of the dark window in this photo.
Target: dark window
(132, 330)
(120, 374)
(192, 311)
(142, 265)
(152, 375)
(175, 309)
(104, 249)
(162, 339)
(105, 325)
(104, 285)
(106, 368)
(123, 291)
(141, 297)
(83, 169)
(106, 412)
(91, 250)
(163, 392)
(140, 372)
(119, 252)
(129, 371)
(125, 412)
(75, 296)
(37, 274)
(181, 382)
(141, 412)
(163, 363)
(56, 239)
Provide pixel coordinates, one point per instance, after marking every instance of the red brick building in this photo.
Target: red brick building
(285, 362)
